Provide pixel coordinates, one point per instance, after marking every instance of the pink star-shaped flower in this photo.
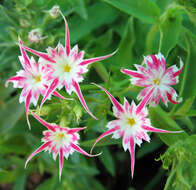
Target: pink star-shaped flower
(154, 76)
(131, 124)
(67, 66)
(60, 141)
(33, 78)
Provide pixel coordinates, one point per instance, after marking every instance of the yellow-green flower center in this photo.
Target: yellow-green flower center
(131, 121)
(67, 68)
(157, 81)
(38, 78)
(60, 136)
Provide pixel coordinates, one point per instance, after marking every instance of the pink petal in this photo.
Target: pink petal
(41, 148)
(81, 98)
(67, 39)
(43, 122)
(155, 61)
(80, 55)
(15, 78)
(75, 130)
(152, 129)
(113, 100)
(80, 150)
(50, 90)
(180, 70)
(60, 162)
(132, 73)
(169, 96)
(132, 153)
(126, 105)
(92, 60)
(108, 132)
(24, 55)
(55, 93)
(27, 103)
(40, 54)
(145, 101)
(58, 95)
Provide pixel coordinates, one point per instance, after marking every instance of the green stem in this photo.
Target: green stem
(160, 41)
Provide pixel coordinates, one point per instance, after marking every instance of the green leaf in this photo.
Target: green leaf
(191, 113)
(125, 52)
(145, 10)
(148, 148)
(107, 161)
(160, 119)
(104, 142)
(47, 184)
(185, 107)
(20, 182)
(10, 113)
(188, 88)
(80, 8)
(97, 15)
(170, 29)
(181, 157)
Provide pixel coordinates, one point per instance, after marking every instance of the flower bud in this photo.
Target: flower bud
(35, 35)
(54, 11)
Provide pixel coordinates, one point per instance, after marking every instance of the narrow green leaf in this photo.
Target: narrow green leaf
(148, 148)
(10, 113)
(125, 54)
(104, 142)
(107, 161)
(20, 182)
(191, 113)
(97, 15)
(80, 8)
(145, 10)
(188, 88)
(160, 119)
(47, 184)
(185, 107)
(170, 30)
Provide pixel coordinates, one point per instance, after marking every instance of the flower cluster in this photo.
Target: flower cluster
(63, 66)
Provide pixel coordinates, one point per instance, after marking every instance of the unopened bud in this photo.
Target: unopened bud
(54, 11)
(35, 35)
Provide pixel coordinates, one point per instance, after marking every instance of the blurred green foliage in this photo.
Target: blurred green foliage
(136, 28)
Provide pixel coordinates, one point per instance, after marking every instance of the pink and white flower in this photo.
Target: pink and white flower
(67, 66)
(60, 141)
(131, 124)
(33, 78)
(154, 75)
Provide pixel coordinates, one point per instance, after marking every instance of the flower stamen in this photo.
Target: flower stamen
(131, 121)
(157, 81)
(60, 136)
(38, 78)
(67, 68)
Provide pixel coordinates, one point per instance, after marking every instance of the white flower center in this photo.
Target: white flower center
(61, 138)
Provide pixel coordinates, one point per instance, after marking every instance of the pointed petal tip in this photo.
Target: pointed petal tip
(132, 172)
(26, 165)
(112, 99)
(93, 155)
(6, 84)
(29, 125)
(81, 98)
(81, 151)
